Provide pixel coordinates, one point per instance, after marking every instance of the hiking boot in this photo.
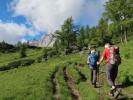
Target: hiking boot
(111, 93)
(117, 92)
(92, 83)
(95, 86)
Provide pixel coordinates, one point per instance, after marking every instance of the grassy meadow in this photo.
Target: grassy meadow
(35, 82)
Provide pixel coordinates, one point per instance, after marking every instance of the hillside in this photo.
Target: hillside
(62, 78)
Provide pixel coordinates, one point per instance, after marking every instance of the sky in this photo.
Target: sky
(23, 20)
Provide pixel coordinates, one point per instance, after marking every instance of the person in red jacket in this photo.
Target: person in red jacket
(111, 69)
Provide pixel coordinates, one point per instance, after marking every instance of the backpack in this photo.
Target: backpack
(93, 60)
(114, 56)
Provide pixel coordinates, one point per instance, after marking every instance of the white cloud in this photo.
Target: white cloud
(12, 32)
(93, 10)
(23, 40)
(48, 15)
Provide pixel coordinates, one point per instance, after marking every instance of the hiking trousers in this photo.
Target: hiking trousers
(93, 75)
(111, 73)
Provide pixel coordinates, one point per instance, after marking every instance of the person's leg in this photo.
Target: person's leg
(115, 71)
(94, 77)
(91, 76)
(109, 74)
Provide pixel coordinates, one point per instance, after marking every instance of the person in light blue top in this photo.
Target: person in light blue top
(92, 60)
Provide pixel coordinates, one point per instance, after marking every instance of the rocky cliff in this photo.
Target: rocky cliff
(47, 41)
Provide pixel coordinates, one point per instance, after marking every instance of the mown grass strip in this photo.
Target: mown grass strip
(63, 92)
(75, 94)
(85, 90)
(55, 84)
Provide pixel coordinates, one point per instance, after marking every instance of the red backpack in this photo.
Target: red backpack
(114, 55)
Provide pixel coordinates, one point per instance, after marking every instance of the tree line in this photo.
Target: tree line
(115, 26)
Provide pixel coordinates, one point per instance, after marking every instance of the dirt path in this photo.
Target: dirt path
(105, 93)
(75, 94)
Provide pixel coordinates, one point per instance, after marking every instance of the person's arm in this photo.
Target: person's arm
(102, 57)
(100, 61)
(88, 60)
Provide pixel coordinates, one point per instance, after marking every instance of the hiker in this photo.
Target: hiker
(92, 62)
(112, 56)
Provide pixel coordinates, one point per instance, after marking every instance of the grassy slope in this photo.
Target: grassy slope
(83, 87)
(125, 76)
(30, 83)
(6, 58)
(33, 83)
(64, 93)
(126, 68)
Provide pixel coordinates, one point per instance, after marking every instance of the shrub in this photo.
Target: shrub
(52, 53)
(47, 53)
(26, 62)
(3, 68)
(39, 59)
(5, 47)
(16, 64)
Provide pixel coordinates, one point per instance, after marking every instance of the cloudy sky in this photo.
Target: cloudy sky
(22, 20)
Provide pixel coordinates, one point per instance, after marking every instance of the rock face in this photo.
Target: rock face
(47, 41)
(33, 43)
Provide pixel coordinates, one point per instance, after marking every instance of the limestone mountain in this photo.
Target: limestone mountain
(47, 41)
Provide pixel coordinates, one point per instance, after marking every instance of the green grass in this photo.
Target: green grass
(30, 83)
(74, 74)
(64, 92)
(26, 83)
(125, 76)
(34, 83)
(9, 57)
(86, 92)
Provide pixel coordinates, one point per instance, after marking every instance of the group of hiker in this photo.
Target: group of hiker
(112, 60)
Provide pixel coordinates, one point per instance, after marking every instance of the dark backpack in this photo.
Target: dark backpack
(114, 56)
(93, 60)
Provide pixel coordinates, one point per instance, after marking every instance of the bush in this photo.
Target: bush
(3, 68)
(26, 62)
(39, 59)
(16, 64)
(48, 53)
(5, 47)
(51, 53)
